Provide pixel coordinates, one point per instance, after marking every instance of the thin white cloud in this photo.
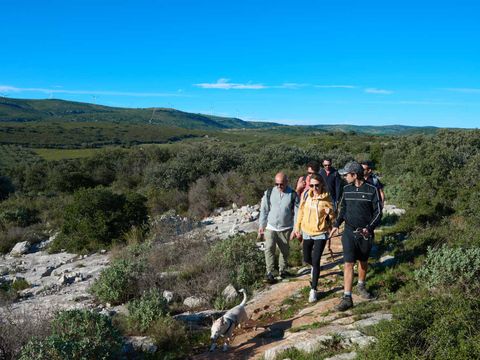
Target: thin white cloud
(291, 86)
(335, 86)
(464, 90)
(12, 89)
(225, 84)
(378, 91)
(7, 89)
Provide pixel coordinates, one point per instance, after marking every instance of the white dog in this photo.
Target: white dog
(224, 326)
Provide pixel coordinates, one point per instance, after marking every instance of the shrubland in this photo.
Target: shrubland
(104, 202)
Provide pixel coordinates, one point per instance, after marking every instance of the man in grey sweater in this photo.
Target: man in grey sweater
(277, 213)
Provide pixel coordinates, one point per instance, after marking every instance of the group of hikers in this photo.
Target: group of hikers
(314, 212)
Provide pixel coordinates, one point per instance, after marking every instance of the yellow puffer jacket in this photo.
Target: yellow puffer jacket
(315, 214)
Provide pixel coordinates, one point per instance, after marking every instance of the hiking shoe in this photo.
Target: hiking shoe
(312, 297)
(284, 274)
(270, 278)
(345, 303)
(364, 294)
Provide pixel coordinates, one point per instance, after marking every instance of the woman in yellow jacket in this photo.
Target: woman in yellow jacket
(313, 223)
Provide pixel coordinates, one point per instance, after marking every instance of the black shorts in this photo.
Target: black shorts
(355, 247)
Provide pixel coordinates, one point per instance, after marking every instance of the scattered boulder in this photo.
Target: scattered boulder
(168, 296)
(194, 302)
(135, 344)
(386, 261)
(20, 248)
(3, 270)
(199, 319)
(229, 293)
(393, 210)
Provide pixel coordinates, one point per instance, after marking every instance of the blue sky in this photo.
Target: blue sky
(303, 62)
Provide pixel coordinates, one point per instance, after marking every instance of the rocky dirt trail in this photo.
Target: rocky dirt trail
(281, 318)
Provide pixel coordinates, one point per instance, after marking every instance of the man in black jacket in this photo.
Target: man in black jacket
(361, 211)
(332, 179)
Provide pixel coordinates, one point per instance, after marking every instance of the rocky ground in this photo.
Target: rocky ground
(59, 281)
(282, 319)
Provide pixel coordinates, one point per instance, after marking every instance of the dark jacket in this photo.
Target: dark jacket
(334, 183)
(360, 207)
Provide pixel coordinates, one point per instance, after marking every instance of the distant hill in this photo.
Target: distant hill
(21, 110)
(48, 110)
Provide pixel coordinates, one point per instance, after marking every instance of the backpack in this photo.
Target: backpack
(293, 194)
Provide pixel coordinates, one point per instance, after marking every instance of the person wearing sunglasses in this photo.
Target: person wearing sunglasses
(332, 179)
(315, 216)
(303, 182)
(277, 213)
(361, 212)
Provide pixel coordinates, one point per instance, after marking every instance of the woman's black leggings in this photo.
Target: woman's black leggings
(312, 252)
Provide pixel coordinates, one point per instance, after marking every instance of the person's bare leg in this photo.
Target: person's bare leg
(348, 277)
(362, 270)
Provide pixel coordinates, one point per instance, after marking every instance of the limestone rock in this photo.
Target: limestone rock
(168, 296)
(346, 356)
(194, 302)
(386, 261)
(229, 293)
(145, 344)
(20, 248)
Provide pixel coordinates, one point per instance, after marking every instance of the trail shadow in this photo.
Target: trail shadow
(272, 333)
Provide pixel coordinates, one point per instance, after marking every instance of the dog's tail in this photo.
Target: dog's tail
(244, 301)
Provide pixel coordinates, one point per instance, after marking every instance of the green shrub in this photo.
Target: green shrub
(446, 266)
(171, 337)
(117, 283)
(21, 216)
(240, 255)
(144, 311)
(77, 334)
(6, 187)
(96, 217)
(430, 327)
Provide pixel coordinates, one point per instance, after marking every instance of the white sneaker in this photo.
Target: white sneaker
(313, 296)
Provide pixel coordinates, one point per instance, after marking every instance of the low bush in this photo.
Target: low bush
(6, 187)
(171, 337)
(242, 258)
(96, 217)
(18, 329)
(118, 283)
(143, 312)
(430, 327)
(21, 216)
(445, 267)
(76, 334)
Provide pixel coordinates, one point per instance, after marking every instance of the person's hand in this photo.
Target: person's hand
(333, 231)
(261, 233)
(301, 184)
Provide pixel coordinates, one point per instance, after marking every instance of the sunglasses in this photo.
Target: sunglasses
(315, 185)
(279, 184)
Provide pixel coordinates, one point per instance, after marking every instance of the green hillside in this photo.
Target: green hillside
(53, 110)
(20, 110)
